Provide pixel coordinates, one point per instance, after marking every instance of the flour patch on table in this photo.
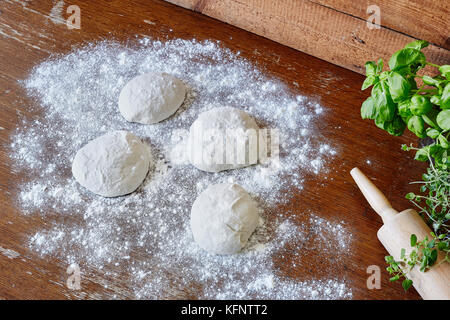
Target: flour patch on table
(145, 237)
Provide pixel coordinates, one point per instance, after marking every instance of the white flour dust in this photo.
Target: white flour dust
(56, 14)
(10, 254)
(145, 236)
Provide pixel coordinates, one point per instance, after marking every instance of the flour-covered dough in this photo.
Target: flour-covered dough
(151, 97)
(223, 217)
(217, 138)
(112, 165)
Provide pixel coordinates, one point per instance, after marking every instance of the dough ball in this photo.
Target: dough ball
(223, 217)
(112, 165)
(151, 97)
(222, 139)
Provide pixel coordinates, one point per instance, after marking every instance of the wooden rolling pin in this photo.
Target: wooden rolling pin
(395, 234)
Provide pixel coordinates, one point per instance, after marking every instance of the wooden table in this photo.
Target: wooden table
(28, 36)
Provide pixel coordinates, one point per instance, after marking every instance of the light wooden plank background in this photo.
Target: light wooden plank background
(336, 30)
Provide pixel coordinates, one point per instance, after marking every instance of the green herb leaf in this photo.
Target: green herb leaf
(443, 141)
(410, 196)
(368, 110)
(443, 120)
(430, 118)
(395, 127)
(407, 57)
(421, 155)
(394, 278)
(403, 108)
(380, 65)
(399, 87)
(417, 126)
(431, 81)
(432, 133)
(445, 97)
(418, 44)
(420, 105)
(402, 253)
(435, 100)
(383, 102)
(442, 245)
(370, 80)
(406, 284)
(413, 240)
(371, 68)
(445, 71)
(432, 258)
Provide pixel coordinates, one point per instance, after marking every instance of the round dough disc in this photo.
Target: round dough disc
(213, 140)
(151, 97)
(112, 165)
(223, 217)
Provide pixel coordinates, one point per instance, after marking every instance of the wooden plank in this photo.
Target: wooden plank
(313, 28)
(421, 19)
(28, 36)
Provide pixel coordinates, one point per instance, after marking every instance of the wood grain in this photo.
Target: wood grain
(28, 36)
(421, 19)
(338, 36)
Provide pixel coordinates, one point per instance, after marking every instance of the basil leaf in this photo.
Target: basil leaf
(443, 120)
(443, 141)
(431, 81)
(420, 105)
(370, 80)
(445, 71)
(383, 75)
(380, 65)
(399, 87)
(396, 127)
(368, 110)
(403, 108)
(407, 57)
(435, 100)
(432, 133)
(430, 118)
(381, 123)
(445, 97)
(418, 44)
(417, 126)
(383, 102)
(413, 83)
(371, 68)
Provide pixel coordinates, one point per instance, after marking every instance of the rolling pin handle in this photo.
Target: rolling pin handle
(374, 196)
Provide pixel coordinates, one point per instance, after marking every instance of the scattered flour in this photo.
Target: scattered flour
(10, 254)
(56, 14)
(145, 236)
(321, 228)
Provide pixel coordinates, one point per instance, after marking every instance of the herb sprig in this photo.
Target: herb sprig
(424, 254)
(434, 202)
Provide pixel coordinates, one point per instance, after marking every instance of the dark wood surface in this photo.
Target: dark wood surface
(28, 36)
